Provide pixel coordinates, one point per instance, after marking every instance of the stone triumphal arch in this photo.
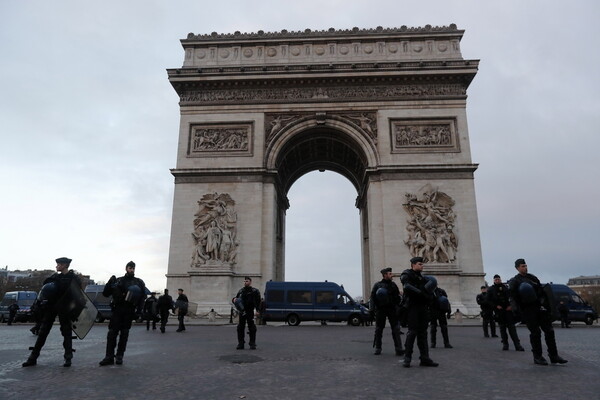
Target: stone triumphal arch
(386, 108)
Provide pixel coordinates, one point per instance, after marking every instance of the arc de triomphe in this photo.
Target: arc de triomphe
(386, 108)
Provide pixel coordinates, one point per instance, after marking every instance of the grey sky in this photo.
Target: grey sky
(89, 125)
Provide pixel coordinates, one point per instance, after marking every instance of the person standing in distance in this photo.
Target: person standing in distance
(52, 304)
(181, 304)
(498, 296)
(165, 304)
(385, 302)
(151, 311)
(418, 312)
(128, 295)
(250, 298)
(487, 313)
(527, 294)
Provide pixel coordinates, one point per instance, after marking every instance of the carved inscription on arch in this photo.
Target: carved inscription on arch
(220, 139)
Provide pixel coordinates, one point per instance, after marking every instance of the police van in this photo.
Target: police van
(294, 302)
(579, 310)
(24, 299)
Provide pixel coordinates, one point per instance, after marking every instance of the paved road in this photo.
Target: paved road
(303, 362)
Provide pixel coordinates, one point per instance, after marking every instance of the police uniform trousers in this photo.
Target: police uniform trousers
(506, 323)
(118, 327)
(45, 327)
(537, 321)
(418, 320)
(164, 318)
(439, 318)
(381, 315)
(488, 320)
(248, 318)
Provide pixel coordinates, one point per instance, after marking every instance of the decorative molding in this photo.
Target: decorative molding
(431, 226)
(320, 94)
(424, 135)
(221, 139)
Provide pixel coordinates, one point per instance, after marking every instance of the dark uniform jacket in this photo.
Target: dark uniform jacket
(515, 297)
(119, 288)
(70, 298)
(393, 296)
(250, 298)
(165, 303)
(413, 284)
(498, 295)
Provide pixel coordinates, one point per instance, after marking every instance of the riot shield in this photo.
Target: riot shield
(80, 309)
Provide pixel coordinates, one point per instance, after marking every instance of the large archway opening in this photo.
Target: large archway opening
(323, 232)
(321, 224)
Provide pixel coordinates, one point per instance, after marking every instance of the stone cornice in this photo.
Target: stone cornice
(308, 33)
(329, 46)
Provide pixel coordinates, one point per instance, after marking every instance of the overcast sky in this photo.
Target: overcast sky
(89, 126)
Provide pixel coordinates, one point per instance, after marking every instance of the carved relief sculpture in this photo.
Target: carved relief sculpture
(215, 229)
(425, 135)
(365, 121)
(431, 224)
(220, 139)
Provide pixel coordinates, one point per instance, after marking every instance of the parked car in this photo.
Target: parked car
(24, 299)
(294, 302)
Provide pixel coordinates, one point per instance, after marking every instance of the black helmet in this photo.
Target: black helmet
(431, 283)
(134, 294)
(48, 293)
(381, 295)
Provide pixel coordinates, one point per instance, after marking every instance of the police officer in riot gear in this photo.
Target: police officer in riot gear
(56, 299)
(439, 313)
(498, 296)
(128, 295)
(419, 294)
(385, 303)
(526, 293)
(250, 298)
(487, 313)
(165, 304)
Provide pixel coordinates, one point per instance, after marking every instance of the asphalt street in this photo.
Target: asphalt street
(302, 362)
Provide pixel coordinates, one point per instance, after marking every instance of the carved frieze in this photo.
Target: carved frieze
(431, 225)
(438, 135)
(215, 232)
(220, 139)
(322, 46)
(307, 93)
(365, 121)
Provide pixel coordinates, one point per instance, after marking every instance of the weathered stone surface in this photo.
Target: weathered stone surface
(386, 108)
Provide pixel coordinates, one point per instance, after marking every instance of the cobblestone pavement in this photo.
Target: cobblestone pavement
(303, 362)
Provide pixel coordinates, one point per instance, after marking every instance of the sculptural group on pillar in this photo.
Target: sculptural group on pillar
(215, 231)
(431, 225)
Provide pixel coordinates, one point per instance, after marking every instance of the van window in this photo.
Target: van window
(275, 296)
(324, 297)
(342, 299)
(9, 299)
(299, 296)
(576, 299)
